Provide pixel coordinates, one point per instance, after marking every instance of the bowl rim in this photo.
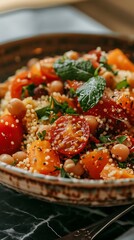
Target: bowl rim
(47, 178)
(113, 35)
(14, 171)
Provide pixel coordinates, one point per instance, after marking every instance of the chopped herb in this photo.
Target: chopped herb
(122, 164)
(121, 139)
(76, 159)
(90, 92)
(74, 69)
(53, 119)
(41, 135)
(70, 110)
(122, 84)
(63, 173)
(104, 139)
(52, 109)
(44, 113)
(28, 89)
(72, 92)
(103, 63)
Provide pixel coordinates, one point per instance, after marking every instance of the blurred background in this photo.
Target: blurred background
(24, 18)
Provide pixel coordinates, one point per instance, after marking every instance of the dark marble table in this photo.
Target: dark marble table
(23, 217)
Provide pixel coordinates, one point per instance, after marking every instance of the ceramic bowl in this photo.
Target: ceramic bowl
(14, 55)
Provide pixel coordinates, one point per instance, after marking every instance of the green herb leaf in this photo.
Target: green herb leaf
(62, 107)
(75, 160)
(122, 84)
(121, 139)
(41, 135)
(44, 113)
(103, 62)
(63, 173)
(72, 92)
(104, 139)
(29, 88)
(74, 69)
(91, 92)
(122, 164)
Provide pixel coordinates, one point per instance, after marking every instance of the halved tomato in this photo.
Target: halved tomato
(69, 135)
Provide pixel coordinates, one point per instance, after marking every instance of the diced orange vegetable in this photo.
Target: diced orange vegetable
(118, 58)
(94, 162)
(113, 172)
(126, 101)
(42, 158)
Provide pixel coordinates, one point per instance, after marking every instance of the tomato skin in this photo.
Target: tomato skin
(43, 161)
(11, 134)
(109, 109)
(94, 162)
(47, 70)
(106, 107)
(69, 135)
(22, 80)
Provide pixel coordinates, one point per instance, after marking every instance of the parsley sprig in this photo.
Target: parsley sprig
(50, 112)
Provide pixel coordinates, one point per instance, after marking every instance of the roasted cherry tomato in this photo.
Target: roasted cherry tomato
(11, 134)
(106, 107)
(43, 158)
(47, 70)
(22, 80)
(69, 135)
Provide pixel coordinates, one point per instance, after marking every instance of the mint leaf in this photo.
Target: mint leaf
(74, 69)
(121, 139)
(91, 92)
(122, 84)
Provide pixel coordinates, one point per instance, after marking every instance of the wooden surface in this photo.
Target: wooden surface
(117, 15)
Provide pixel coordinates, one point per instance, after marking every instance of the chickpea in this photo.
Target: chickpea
(70, 167)
(120, 151)
(109, 77)
(55, 86)
(92, 123)
(19, 156)
(6, 158)
(17, 108)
